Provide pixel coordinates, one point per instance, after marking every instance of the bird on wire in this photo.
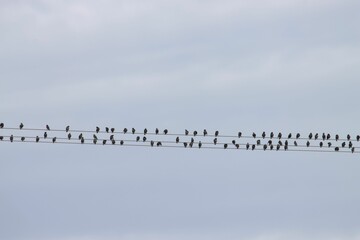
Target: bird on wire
(45, 135)
(69, 136)
(97, 130)
(125, 130)
(107, 129)
(1, 125)
(156, 131)
(133, 130)
(166, 131)
(54, 139)
(22, 139)
(216, 133)
(67, 129)
(112, 130)
(186, 132)
(21, 126)
(47, 127)
(37, 139)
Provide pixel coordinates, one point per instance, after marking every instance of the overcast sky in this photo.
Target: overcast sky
(280, 65)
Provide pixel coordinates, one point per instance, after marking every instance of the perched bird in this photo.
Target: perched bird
(125, 130)
(54, 139)
(45, 135)
(95, 137)
(104, 141)
(271, 135)
(321, 144)
(265, 147)
(158, 144)
(144, 139)
(37, 139)
(323, 136)
(97, 129)
(271, 147)
(258, 142)
(21, 126)
(270, 142)
(350, 144)
(195, 133)
(233, 142)
(310, 136)
(316, 136)
(113, 141)
(348, 137)
(358, 138)
(94, 140)
(215, 141)
(253, 147)
(177, 139)
(279, 135)
(185, 144)
(133, 130)
(297, 135)
(69, 136)
(329, 144)
(1, 138)
(138, 138)
(122, 142)
(328, 136)
(112, 130)
(166, 131)
(237, 146)
(107, 129)
(82, 140)
(192, 140)
(80, 136)
(191, 144)
(247, 146)
(156, 131)
(254, 135)
(225, 146)
(353, 149)
(263, 135)
(239, 134)
(336, 149)
(186, 132)
(1, 125)
(216, 133)
(205, 132)
(343, 144)
(200, 144)
(295, 144)
(286, 143)
(337, 137)
(22, 139)
(286, 147)
(289, 136)
(278, 147)
(152, 143)
(67, 128)
(307, 144)
(112, 137)
(280, 143)
(47, 127)
(145, 131)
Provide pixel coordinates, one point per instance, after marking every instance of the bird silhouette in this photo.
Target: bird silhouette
(111, 137)
(82, 140)
(258, 142)
(138, 138)
(144, 139)
(54, 139)
(323, 136)
(358, 138)
(152, 143)
(133, 130)
(1, 138)
(286, 143)
(348, 137)
(205, 132)
(271, 135)
(328, 136)
(295, 144)
(95, 137)
(192, 140)
(113, 141)
(233, 142)
(286, 147)
(122, 142)
(336, 149)
(216, 133)
(125, 130)
(307, 144)
(350, 144)
(1, 125)
(247, 146)
(225, 146)
(254, 135)
(156, 131)
(336, 137)
(166, 131)
(177, 139)
(67, 128)
(265, 147)
(112, 130)
(270, 142)
(271, 147)
(289, 136)
(69, 136)
(37, 139)
(343, 144)
(97, 129)
(195, 133)
(107, 129)
(239, 134)
(80, 136)
(145, 131)
(45, 135)
(278, 147)
(22, 139)
(316, 136)
(94, 140)
(186, 132)
(104, 142)
(280, 143)
(310, 136)
(185, 144)
(21, 126)
(321, 144)
(329, 144)
(298, 136)
(279, 135)
(215, 141)
(253, 147)
(158, 144)
(353, 149)
(47, 127)
(237, 146)
(199, 144)
(263, 135)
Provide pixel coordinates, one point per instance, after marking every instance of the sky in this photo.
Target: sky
(290, 66)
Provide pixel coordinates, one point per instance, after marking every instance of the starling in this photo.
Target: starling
(144, 139)
(348, 137)
(343, 144)
(270, 142)
(358, 138)
(166, 131)
(121, 142)
(177, 139)
(271, 135)
(94, 140)
(337, 137)
(54, 139)
(82, 140)
(298, 136)
(186, 132)
(22, 139)
(200, 144)
(279, 135)
(321, 144)
(69, 136)
(195, 133)
(156, 131)
(37, 139)
(80, 136)
(265, 147)
(316, 136)
(239, 134)
(21, 126)
(192, 140)
(107, 129)
(254, 135)
(104, 141)
(152, 143)
(47, 127)
(67, 128)
(185, 144)
(145, 131)
(95, 137)
(289, 136)
(323, 136)
(112, 130)
(205, 132)
(216, 133)
(1, 138)
(263, 135)
(307, 144)
(158, 144)
(133, 130)
(280, 143)
(138, 138)
(113, 141)
(247, 146)
(278, 147)
(286, 143)
(233, 142)
(271, 147)
(353, 149)
(125, 130)
(328, 136)
(225, 146)
(295, 144)
(253, 147)
(350, 144)
(237, 145)
(215, 141)
(111, 137)
(258, 142)
(310, 136)
(45, 135)
(336, 149)
(191, 144)
(97, 129)
(329, 144)
(1, 125)
(286, 147)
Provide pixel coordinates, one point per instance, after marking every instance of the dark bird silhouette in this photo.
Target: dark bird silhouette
(328, 136)
(185, 144)
(21, 126)
(295, 144)
(95, 137)
(329, 144)
(125, 130)
(200, 144)
(239, 134)
(307, 144)
(350, 144)
(104, 141)
(278, 147)
(54, 139)
(37, 139)
(321, 144)
(205, 132)
(80, 136)
(112, 130)
(82, 140)
(310, 136)
(253, 147)
(265, 147)
(111, 137)
(323, 136)
(225, 146)
(279, 135)
(216, 133)
(358, 138)
(69, 136)
(47, 127)
(22, 139)
(316, 136)
(336, 149)
(271, 135)
(233, 142)
(191, 144)
(144, 139)
(195, 133)
(343, 144)
(280, 142)
(156, 131)
(258, 142)
(247, 146)
(271, 147)
(138, 138)
(1, 125)
(1, 138)
(166, 131)
(152, 143)
(67, 128)
(337, 137)
(45, 135)
(145, 131)
(298, 136)
(133, 130)
(237, 146)
(286, 143)
(177, 139)
(215, 141)
(113, 141)
(186, 132)
(122, 142)
(94, 140)
(254, 135)
(353, 149)
(289, 136)
(192, 140)
(158, 144)
(263, 135)
(107, 129)
(286, 147)
(97, 129)
(270, 142)
(348, 137)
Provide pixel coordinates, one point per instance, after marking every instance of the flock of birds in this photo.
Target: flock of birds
(190, 139)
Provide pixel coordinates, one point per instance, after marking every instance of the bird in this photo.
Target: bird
(177, 139)
(138, 138)
(22, 139)
(104, 142)
(278, 147)
(199, 144)
(133, 130)
(125, 130)
(307, 144)
(152, 143)
(258, 142)
(270, 142)
(112, 137)
(280, 143)
(186, 132)
(113, 141)
(45, 135)
(1, 125)
(37, 139)
(328, 136)
(21, 126)
(195, 133)
(122, 142)
(310, 136)
(263, 135)
(254, 135)
(253, 147)
(265, 147)
(336, 149)
(286, 143)
(156, 131)
(316, 136)
(158, 144)
(239, 134)
(1, 138)
(343, 144)
(321, 144)
(107, 129)
(247, 146)
(94, 140)
(67, 128)
(237, 146)
(205, 132)
(271, 147)
(80, 136)
(192, 140)
(233, 142)
(69, 136)
(144, 139)
(216, 133)
(97, 129)
(289, 136)
(286, 147)
(215, 141)
(271, 135)
(350, 144)
(336, 137)
(191, 144)
(353, 149)
(145, 131)
(279, 135)
(47, 127)
(225, 146)
(185, 144)
(166, 131)
(358, 138)
(323, 136)
(95, 137)
(348, 137)
(297, 135)
(329, 144)
(54, 139)
(82, 140)
(112, 130)
(295, 144)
